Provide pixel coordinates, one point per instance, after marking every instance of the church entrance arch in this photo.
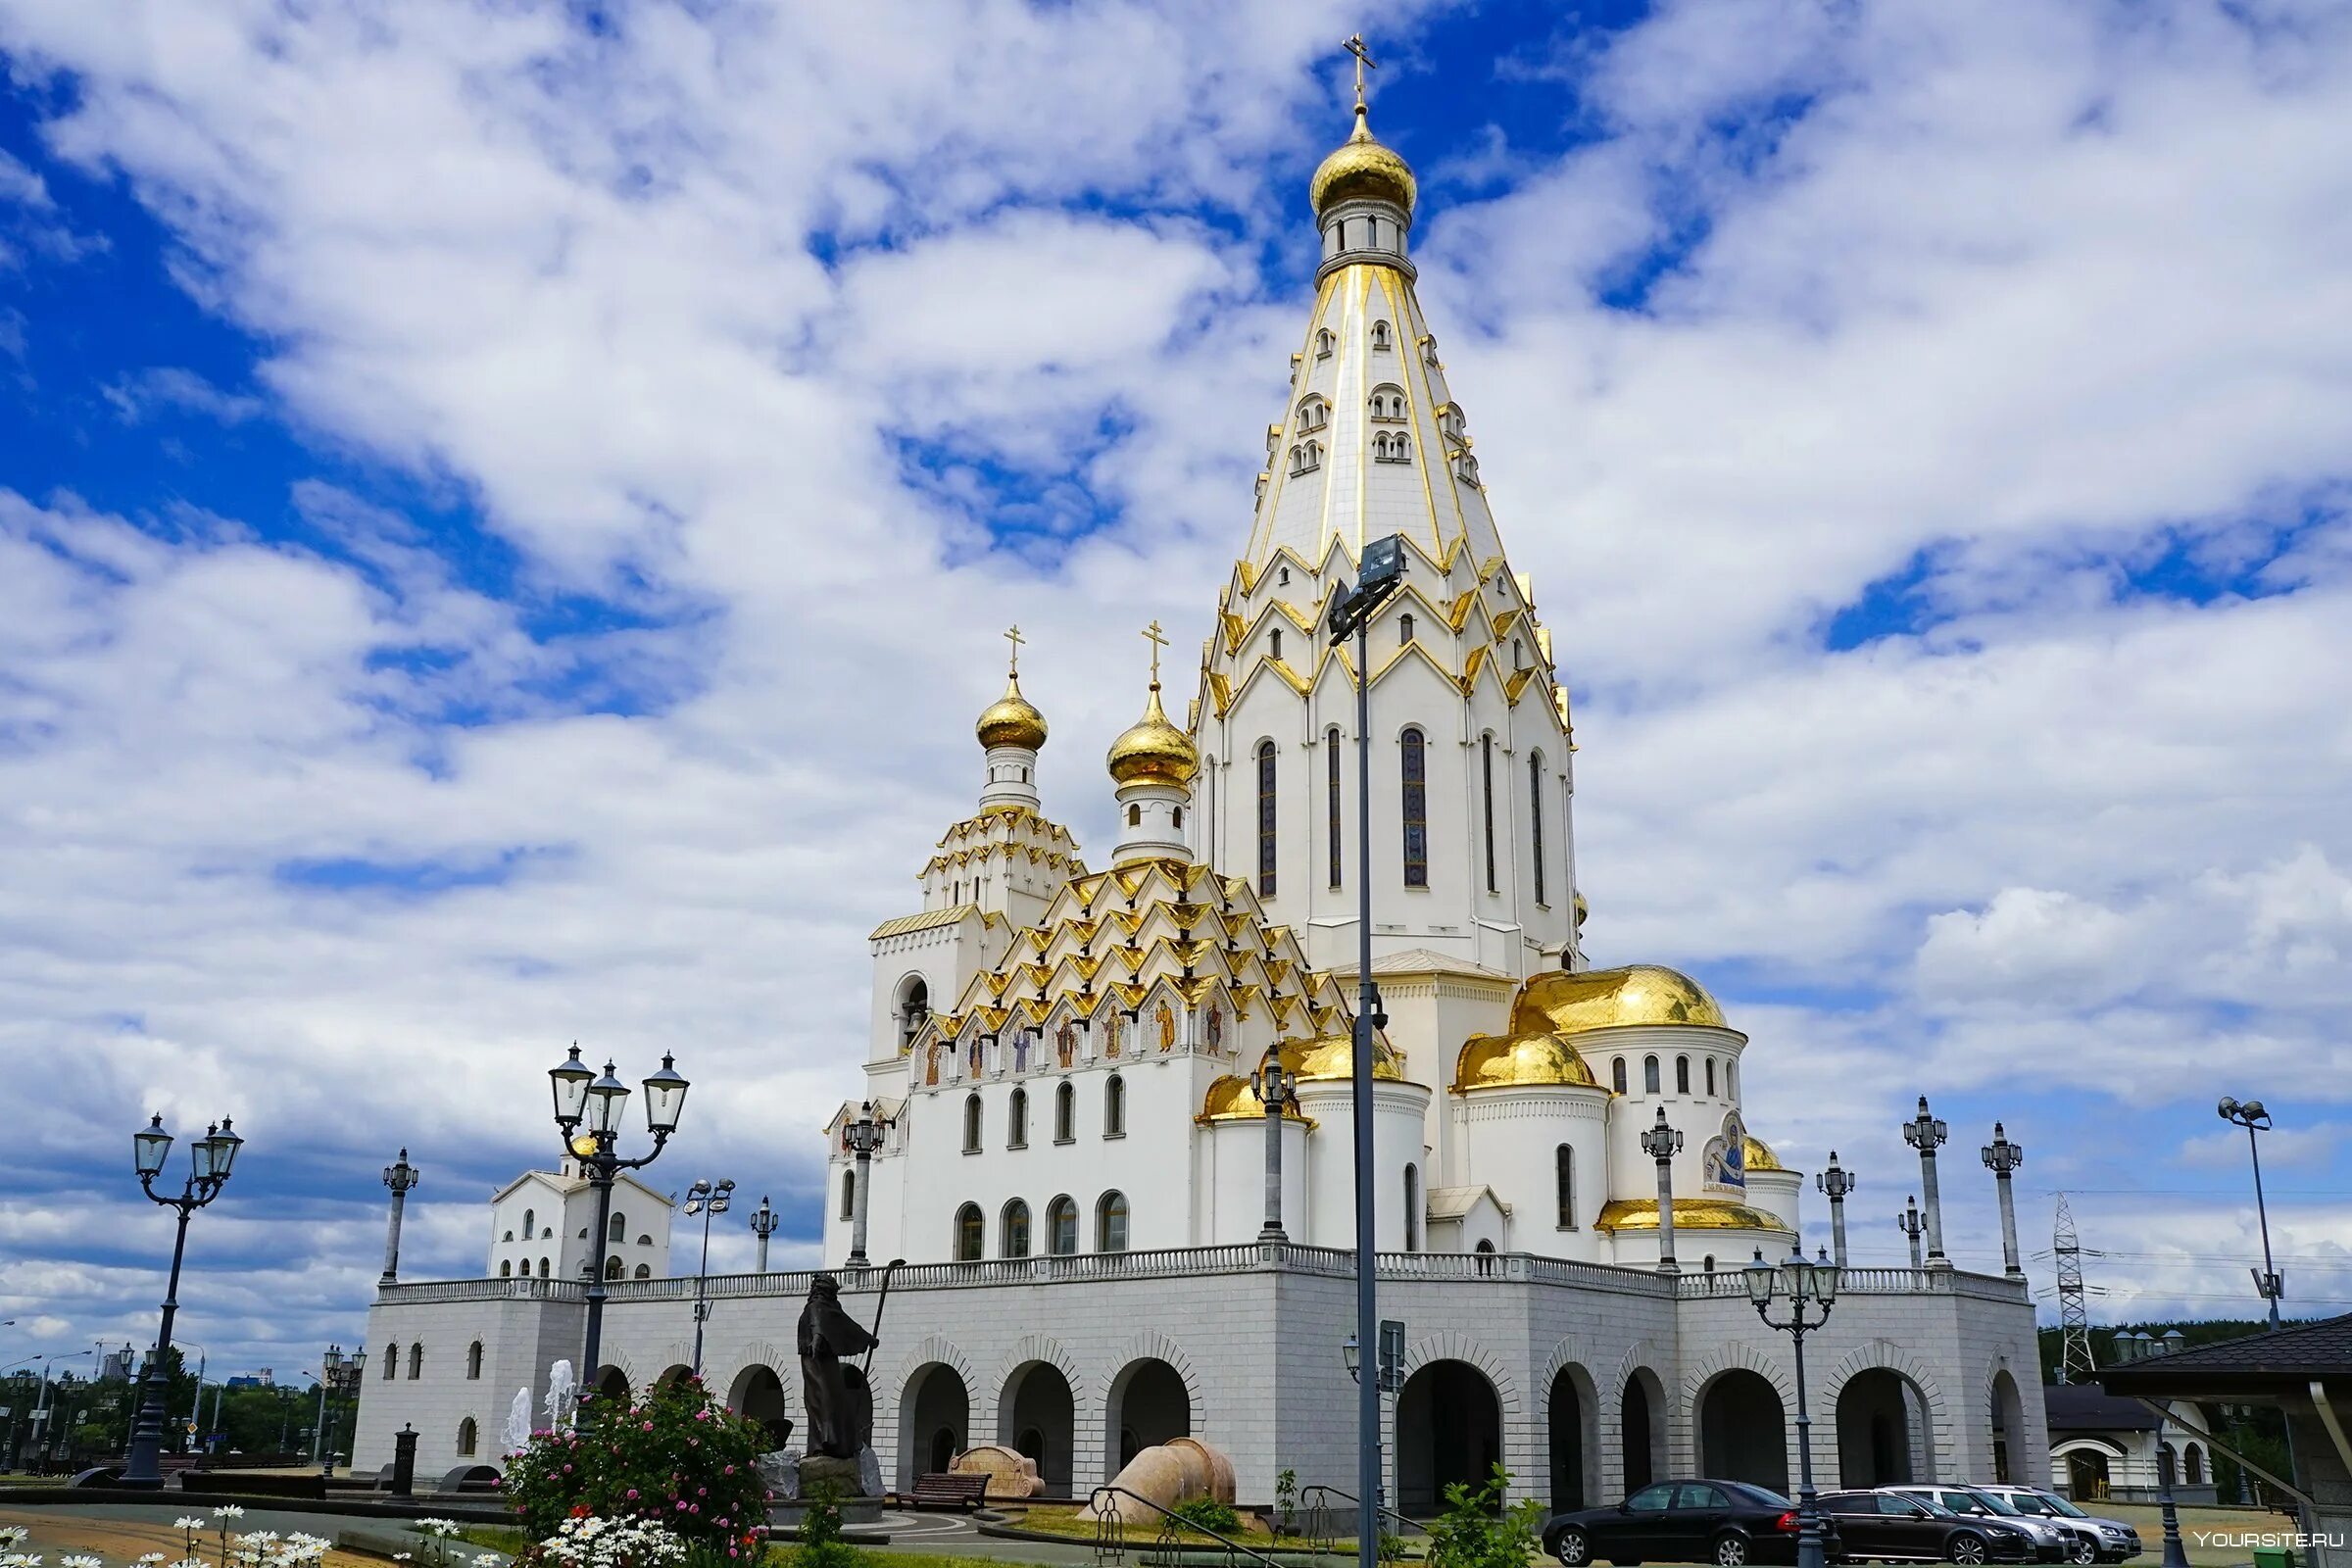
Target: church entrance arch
(1642, 1430)
(1743, 1430)
(1883, 1436)
(1449, 1429)
(1572, 1413)
(1037, 1415)
(934, 1415)
(1148, 1405)
(757, 1394)
(2008, 1427)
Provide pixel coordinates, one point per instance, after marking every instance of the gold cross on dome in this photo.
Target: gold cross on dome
(1159, 640)
(1363, 63)
(1014, 637)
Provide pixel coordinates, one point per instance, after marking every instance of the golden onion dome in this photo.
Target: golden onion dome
(1500, 1061)
(1756, 1154)
(1362, 167)
(1235, 1098)
(1329, 1059)
(1690, 1214)
(1572, 1003)
(1153, 751)
(1012, 720)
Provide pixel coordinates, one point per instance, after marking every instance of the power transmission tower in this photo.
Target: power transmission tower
(2073, 1317)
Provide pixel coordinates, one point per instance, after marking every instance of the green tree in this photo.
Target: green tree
(1476, 1531)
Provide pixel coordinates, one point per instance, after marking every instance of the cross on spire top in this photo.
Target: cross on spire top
(1014, 637)
(1363, 63)
(1159, 640)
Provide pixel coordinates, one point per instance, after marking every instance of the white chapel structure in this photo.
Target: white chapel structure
(1065, 1047)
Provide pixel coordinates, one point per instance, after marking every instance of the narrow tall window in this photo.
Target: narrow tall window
(1266, 844)
(1412, 1208)
(1016, 1230)
(971, 1124)
(474, 1360)
(1617, 1074)
(1711, 1076)
(1731, 1080)
(1066, 1113)
(617, 1229)
(1563, 1175)
(1332, 855)
(1682, 1075)
(1486, 769)
(1062, 1227)
(1650, 1075)
(466, 1438)
(1405, 630)
(1017, 1121)
(1416, 811)
(849, 1195)
(415, 1361)
(1110, 1223)
(392, 1363)
(970, 1234)
(1114, 1107)
(1535, 816)
(1274, 642)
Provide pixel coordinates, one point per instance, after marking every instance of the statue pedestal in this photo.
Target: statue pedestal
(824, 1470)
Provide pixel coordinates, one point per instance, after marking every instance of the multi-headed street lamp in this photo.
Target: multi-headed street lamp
(1277, 1091)
(209, 1158)
(402, 1177)
(1837, 1184)
(1927, 1133)
(865, 1133)
(339, 1375)
(704, 1199)
(1662, 1143)
(1802, 1285)
(2251, 1116)
(764, 1225)
(588, 1114)
(2001, 1156)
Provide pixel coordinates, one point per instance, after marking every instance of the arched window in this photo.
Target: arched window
(2194, 1459)
(972, 1233)
(645, 1241)
(1016, 1230)
(1485, 785)
(1017, 1121)
(530, 1218)
(415, 1361)
(505, 1267)
(543, 1268)
(1110, 1223)
(914, 1010)
(1535, 816)
(1404, 629)
(1282, 577)
(1135, 816)
(508, 1237)
(615, 1268)
(1066, 1113)
(1176, 816)
(1415, 769)
(1396, 448)
(1274, 643)
(1332, 855)
(1711, 1076)
(1267, 842)
(1114, 1107)
(1323, 343)
(616, 1229)
(1682, 1075)
(1315, 456)
(466, 1438)
(1061, 1226)
(1412, 1208)
(1387, 402)
(1617, 1074)
(971, 1124)
(392, 1362)
(1379, 334)
(1313, 412)
(1731, 1080)
(1650, 1075)
(474, 1361)
(849, 1193)
(1563, 1176)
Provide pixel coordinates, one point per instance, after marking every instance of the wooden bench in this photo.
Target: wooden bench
(948, 1489)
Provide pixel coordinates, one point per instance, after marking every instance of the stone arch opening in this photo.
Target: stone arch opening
(675, 1372)
(2088, 1475)
(612, 1383)
(1148, 1405)
(2008, 1416)
(1883, 1432)
(1574, 1415)
(758, 1395)
(1038, 1416)
(1743, 1430)
(1642, 1429)
(934, 1413)
(1449, 1429)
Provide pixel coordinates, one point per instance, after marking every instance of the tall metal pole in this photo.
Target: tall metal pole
(1367, 1012)
(1924, 1133)
(1836, 1183)
(600, 1177)
(1912, 1225)
(1273, 1090)
(1662, 1143)
(400, 1176)
(764, 1225)
(2262, 1213)
(2001, 1156)
(142, 1466)
(318, 1430)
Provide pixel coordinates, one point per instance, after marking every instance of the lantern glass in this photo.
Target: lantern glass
(224, 1146)
(572, 1078)
(1351, 1353)
(607, 1098)
(202, 1152)
(664, 1099)
(150, 1147)
(1761, 1278)
(1825, 1280)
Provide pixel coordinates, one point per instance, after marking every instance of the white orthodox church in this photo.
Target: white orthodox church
(1072, 1158)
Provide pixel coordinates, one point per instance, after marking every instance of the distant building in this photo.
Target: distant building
(2105, 1447)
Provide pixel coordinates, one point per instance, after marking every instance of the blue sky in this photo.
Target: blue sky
(471, 475)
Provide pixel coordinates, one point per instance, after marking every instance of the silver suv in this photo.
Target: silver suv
(2056, 1541)
(2118, 1542)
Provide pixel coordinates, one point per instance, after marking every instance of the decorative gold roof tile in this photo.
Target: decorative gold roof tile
(907, 924)
(1690, 1214)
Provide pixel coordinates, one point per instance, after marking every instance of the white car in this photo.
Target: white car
(2118, 1541)
(2058, 1540)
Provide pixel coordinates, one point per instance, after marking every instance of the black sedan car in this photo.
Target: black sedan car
(1728, 1522)
(1889, 1527)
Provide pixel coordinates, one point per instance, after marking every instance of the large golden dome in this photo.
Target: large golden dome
(1570, 1003)
(1362, 167)
(1690, 1214)
(1153, 751)
(1498, 1061)
(1011, 720)
(1234, 1099)
(1331, 1058)
(1756, 1154)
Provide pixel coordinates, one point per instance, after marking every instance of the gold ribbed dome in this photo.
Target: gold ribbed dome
(1690, 1214)
(1234, 1099)
(1498, 1061)
(1153, 751)
(1570, 1003)
(1012, 720)
(1756, 1154)
(1329, 1059)
(1362, 167)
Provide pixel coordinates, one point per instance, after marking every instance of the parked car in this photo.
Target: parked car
(1727, 1523)
(2052, 1541)
(1889, 1527)
(2118, 1542)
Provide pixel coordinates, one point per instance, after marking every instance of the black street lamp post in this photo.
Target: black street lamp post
(209, 1160)
(1837, 1184)
(1803, 1285)
(866, 1133)
(2255, 1119)
(402, 1177)
(588, 1114)
(705, 1198)
(339, 1376)
(1277, 1095)
(764, 1225)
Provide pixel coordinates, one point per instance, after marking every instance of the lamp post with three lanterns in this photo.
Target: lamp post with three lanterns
(588, 1114)
(1802, 1285)
(209, 1160)
(704, 1199)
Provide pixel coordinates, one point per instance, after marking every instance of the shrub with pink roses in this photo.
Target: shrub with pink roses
(680, 1457)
